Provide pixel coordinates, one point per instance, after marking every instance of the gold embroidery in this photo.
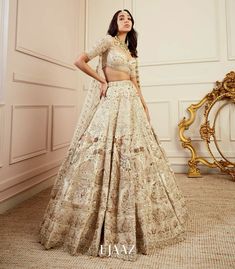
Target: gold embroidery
(120, 179)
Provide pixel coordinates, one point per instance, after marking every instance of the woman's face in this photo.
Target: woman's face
(124, 22)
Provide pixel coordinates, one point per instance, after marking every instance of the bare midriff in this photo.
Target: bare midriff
(115, 75)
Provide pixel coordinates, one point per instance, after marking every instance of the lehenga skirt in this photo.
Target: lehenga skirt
(119, 196)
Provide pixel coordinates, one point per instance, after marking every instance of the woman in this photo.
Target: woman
(115, 193)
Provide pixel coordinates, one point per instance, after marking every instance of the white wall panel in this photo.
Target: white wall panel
(230, 15)
(63, 118)
(232, 123)
(98, 17)
(2, 131)
(161, 118)
(49, 33)
(177, 31)
(29, 131)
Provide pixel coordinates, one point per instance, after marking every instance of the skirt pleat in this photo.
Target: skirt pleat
(118, 198)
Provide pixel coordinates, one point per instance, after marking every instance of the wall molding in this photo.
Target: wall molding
(60, 145)
(127, 4)
(26, 194)
(43, 57)
(230, 55)
(185, 154)
(185, 61)
(86, 40)
(175, 82)
(183, 169)
(4, 16)
(232, 126)
(36, 80)
(189, 61)
(2, 132)
(168, 137)
(15, 159)
(16, 190)
(38, 54)
(25, 176)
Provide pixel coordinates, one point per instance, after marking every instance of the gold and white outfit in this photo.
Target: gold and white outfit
(115, 187)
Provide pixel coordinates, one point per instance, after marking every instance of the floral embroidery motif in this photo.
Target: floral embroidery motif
(112, 55)
(118, 188)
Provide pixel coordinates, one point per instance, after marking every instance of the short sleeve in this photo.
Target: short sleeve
(100, 47)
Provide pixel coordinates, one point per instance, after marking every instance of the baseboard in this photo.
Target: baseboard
(183, 169)
(17, 199)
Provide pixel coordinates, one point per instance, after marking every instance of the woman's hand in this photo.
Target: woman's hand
(103, 88)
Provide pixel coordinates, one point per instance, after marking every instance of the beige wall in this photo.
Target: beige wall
(184, 47)
(41, 98)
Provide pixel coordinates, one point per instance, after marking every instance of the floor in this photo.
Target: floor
(209, 244)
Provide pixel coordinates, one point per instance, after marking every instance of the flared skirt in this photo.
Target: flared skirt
(118, 197)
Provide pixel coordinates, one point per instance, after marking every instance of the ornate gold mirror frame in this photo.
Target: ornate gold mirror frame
(223, 91)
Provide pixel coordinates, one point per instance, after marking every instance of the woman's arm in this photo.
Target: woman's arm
(99, 47)
(81, 63)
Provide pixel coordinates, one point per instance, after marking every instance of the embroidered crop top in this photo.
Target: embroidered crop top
(113, 55)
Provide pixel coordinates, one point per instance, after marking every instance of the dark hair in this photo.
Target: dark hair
(131, 37)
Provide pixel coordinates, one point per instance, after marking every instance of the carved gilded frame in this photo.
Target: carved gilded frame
(225, 91)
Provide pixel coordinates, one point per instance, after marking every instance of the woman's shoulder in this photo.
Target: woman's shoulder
(106, 40)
